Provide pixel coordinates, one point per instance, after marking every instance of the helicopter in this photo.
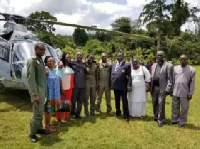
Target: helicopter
(17, 46)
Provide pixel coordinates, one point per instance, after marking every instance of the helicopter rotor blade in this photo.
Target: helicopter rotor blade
(91, 28)
(18, 17)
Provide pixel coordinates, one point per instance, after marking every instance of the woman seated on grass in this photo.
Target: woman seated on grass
(53, 90)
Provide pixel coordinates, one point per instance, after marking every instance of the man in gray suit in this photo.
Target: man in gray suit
(183, 89)
(161, 86)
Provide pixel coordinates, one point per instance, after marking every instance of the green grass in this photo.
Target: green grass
(100, 131)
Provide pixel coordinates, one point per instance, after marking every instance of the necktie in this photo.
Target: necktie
(117, 66)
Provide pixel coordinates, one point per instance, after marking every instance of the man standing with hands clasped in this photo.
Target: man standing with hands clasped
(120, 72)
(38, 91)
(183, 89)
(104, 77)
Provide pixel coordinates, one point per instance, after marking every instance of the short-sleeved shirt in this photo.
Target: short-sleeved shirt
(66, 75)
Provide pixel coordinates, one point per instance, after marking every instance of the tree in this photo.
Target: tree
(154, 12)
(52, 40)
(196, 19)
(80, 37)
(38, 26)
(102, 36)
(180, 13)
(94, 47)
(122, 24)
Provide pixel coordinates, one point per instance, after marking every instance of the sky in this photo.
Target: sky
(100, 13)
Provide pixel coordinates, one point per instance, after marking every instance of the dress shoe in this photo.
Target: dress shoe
(118, 115)
(86, 115)
(160, 124)
(127, 120)
(174, 123)
(60, 123)
(78, 117)
(33, 138)
(98, 113)
(74, 116)
(181, 125)
(108, 113)
(43, 131)
(93, 114)
(142, 117)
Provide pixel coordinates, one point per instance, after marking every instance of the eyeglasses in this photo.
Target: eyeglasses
(50, 61)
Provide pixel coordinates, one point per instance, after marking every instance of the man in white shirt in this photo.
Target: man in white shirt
(183, 89)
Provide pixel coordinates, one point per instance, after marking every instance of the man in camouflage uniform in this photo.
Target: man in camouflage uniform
(91, 83)
(104, 83)
(37, 86)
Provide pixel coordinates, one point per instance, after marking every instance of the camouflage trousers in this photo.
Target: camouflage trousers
(90, 93)
(107, 90)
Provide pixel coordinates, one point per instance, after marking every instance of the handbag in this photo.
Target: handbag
(147, 87)
(65, 107)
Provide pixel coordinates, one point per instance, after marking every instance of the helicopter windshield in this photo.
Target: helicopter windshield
(19, 53)
(52, 52)
(24, 51)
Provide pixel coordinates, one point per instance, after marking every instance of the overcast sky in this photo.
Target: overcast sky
(85, 12)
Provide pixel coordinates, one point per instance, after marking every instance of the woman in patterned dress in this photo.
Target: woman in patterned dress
(53, 92)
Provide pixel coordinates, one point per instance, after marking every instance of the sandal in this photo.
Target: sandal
(52, 129)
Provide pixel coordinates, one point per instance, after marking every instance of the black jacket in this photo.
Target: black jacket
(119, 79)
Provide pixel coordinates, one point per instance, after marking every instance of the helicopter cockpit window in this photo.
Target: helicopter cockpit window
(4, 50)
(48, 52)
(19, 60)
(52, 52)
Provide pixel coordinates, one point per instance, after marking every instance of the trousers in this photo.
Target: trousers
(106, 88)
(90, 93)
(158, 101)
(78, 96)
(68, 96)
(121, 94)
(37, 117)
(180, 107)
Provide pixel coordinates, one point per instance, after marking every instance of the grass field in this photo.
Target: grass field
(100, 131)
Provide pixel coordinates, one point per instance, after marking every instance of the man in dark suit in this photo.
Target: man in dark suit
(120, 72)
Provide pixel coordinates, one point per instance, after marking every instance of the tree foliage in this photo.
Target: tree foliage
(122, 24)
(180, 13)
(162, 20)
(154, 12)
(80, 37)
(94, 47)
(38, 26)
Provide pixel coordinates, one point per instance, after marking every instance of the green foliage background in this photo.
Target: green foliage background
(163, 22)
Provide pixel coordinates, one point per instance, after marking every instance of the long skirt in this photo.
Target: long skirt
(137, 109)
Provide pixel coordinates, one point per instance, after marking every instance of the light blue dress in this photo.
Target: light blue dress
(53, 90)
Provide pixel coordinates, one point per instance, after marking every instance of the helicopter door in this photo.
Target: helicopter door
(5, 49)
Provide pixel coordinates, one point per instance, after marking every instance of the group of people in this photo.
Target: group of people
(81, 83)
